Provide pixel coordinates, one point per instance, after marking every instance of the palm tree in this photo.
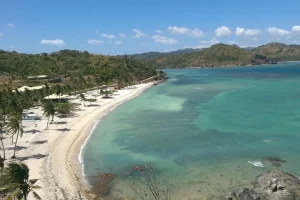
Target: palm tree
(1, 164)
(49, 110)
(3, 105)
(82, 98)
(14, 127)
(58, 90)
(47, 90)
(1, 140)
(15, 182)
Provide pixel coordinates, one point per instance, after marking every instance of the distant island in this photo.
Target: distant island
(222, 55)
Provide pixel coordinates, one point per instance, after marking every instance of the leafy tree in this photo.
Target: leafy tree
(15, 182)
(63, 108)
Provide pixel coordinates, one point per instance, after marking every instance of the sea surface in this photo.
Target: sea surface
(205, 132)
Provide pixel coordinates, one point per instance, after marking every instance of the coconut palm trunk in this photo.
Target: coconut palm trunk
(16, 144)
(48, 122)
(2, 144)
(52, 118)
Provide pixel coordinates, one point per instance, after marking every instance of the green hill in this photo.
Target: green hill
(279, 51)
(228, 55)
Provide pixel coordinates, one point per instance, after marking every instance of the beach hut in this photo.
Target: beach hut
(39, 77)
(58, 98)
(23, 88)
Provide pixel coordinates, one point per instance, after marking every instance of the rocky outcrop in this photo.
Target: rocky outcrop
(273, 185)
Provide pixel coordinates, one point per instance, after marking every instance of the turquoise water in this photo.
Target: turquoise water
(201, 128)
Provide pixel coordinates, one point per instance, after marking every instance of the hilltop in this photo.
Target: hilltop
(225, 55)
(152, 55)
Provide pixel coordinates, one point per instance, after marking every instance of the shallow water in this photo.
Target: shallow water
(203, 131)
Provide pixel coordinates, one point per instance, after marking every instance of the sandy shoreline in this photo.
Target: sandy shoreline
(52, 154)
(74, 153)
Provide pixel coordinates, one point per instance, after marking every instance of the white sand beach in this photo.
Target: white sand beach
(52, 154)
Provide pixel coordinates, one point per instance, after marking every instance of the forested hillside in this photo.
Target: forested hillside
(227, 55)
(71, 63)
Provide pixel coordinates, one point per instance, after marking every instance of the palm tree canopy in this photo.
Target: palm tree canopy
(13, 126)
(48, 108)
(14, 181)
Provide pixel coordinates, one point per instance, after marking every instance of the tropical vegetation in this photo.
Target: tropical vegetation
(68, 72)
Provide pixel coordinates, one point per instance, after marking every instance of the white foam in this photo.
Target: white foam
(80, 156)
(267, 141)
(256, 163)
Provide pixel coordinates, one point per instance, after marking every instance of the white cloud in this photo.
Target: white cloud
(1, 34)
(109, 36)
(95, 42)
(122, 36)
(185, 31)
(210, 42)
(296, 28)
(138, 33)
(247, 32)
(232, 42)
(56, 42)
(118, 42)
(223, 31)
(10, 25)
(159, 31)
(164, 40)
(204, 44)
(277, 31)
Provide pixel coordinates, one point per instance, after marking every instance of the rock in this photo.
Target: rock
(273, 185)
(282, 186)
(245, 195)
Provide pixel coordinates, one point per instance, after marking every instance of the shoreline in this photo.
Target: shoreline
(71, 169)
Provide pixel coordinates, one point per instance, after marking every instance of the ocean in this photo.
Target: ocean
(205, 132)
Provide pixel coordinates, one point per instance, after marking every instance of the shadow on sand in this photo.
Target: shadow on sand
(18, 148)
(33, 131)
(36, 156)
(63, 129)
(39, 142)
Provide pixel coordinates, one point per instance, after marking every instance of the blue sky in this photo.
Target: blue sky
(132, 26)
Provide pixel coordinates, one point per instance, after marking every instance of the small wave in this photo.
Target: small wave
(256, 163)
(80, 156)
(267, 141)
(198, 88)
